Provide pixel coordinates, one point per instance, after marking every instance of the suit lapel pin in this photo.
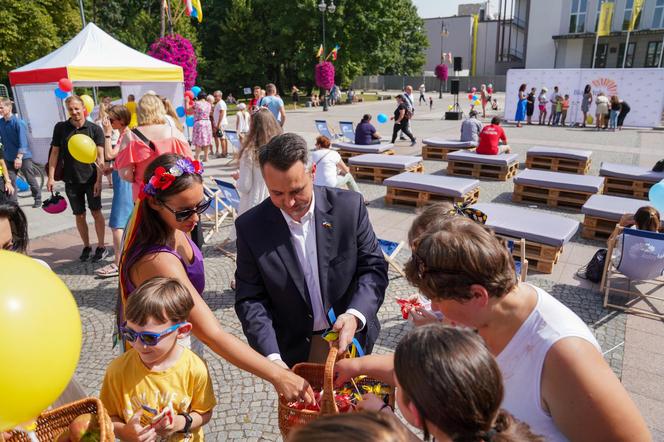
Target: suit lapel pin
(327, 225)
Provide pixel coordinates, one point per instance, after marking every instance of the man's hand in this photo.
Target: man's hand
(135, 432)
(96, 190)
(18, 162)
(50, 184)
(346, 325)
(293, 388)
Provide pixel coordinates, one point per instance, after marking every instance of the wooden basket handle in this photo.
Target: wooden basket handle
(328, 404)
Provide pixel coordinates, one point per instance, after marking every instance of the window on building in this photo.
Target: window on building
(627, 17)
(600, 55)
(577, 17)
(599, 10)
(658, 17)
(653, 53)
(629, 63)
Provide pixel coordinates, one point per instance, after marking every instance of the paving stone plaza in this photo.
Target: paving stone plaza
(246, 407)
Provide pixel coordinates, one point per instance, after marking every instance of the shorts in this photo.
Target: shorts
(77, 193)
(542, 108)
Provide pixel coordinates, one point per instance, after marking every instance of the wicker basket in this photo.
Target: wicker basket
(53, 422)
(319, 376)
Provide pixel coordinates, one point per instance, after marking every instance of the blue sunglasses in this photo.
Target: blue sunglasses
(147, 338)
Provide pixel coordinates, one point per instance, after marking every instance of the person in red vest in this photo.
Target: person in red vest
(490, 138)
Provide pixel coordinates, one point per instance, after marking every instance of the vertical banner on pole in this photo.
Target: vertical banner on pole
(476, 19)
(636, 11)
(603, 25)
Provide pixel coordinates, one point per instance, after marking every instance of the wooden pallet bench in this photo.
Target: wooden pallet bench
(555, 189)
(349, 150)
(559, 160)
(496, 167)
(545, 234)
(378, 167)
(602, 213)
(419, 189)
(438, 149)
(627, 180)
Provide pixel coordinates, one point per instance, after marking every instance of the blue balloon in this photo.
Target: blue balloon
(180, 111)
(382, 118)
(196, 90)
(656, 196)
(190, 121)
(61, 94)
(475, 97)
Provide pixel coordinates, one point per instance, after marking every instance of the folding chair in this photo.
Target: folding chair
(325, 131)
(520, 266)
(347, 130)
(216, 213)
(390, 251)
(641, 260)
(228, 197)
(234, 139)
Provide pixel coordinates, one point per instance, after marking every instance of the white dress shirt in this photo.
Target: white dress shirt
(303, 237)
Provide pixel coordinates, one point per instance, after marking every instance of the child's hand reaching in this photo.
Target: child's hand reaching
(166, 425)
(371, 402)
(133, 431)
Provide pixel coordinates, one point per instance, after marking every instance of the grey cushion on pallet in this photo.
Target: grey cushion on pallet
(630, 172)
(440, 185)
(518, 222)
(371, 148)
(387, 161)
(452, 144)
(558, 152)
(504, 159)
(611, 207)
(559, 180)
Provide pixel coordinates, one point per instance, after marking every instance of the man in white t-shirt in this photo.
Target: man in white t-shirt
(219, 116)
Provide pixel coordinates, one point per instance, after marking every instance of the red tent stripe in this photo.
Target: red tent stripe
(50, 75)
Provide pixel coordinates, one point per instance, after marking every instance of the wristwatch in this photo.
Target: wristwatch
(187, 423)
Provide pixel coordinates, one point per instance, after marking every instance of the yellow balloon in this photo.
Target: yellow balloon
(477, 102)
(589, 119)
(41, 339)
(82, 148)
(88, 102)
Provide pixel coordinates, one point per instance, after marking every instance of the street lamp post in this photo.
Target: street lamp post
(443, 33)
(323, 7)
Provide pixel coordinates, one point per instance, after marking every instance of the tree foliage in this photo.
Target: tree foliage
(250, 42)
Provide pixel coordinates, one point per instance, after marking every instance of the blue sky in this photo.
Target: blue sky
(442, 8)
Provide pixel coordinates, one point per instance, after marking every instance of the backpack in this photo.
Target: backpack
(659, 166)
(595, 268)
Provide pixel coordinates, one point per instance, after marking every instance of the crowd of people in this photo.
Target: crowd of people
(491, 358)
(610, 112)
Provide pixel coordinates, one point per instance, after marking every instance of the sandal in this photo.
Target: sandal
(108, 271)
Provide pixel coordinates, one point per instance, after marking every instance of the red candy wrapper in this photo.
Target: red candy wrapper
(407, 305)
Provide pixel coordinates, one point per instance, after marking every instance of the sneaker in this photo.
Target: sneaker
(85, 254)
(37, 204)
(414, 142)
(100, 253)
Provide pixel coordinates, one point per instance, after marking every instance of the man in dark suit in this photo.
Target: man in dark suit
(302, 253)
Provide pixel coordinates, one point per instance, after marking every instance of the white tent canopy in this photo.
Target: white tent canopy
(91, 58)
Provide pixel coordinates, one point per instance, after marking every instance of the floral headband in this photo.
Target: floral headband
(162, 178)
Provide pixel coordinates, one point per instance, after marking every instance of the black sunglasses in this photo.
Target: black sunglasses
(183, 215)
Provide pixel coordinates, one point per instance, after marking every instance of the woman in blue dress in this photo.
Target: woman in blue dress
(521, 106)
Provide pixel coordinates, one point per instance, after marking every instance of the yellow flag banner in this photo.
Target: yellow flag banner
(636, 11)
(605, 16)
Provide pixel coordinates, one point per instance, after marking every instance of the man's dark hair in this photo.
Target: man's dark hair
(495, 120)
(283, 151)
(366, 117)
(472, 113)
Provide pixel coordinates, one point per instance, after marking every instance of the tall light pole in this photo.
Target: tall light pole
(443, 33)
(323, 7)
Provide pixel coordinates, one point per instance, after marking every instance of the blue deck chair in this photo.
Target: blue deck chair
(347, 130)
(641, 260)
(324, 130)
(215, 214)
(520, 266)
(228, 196)
(390, 251)
(234, 139)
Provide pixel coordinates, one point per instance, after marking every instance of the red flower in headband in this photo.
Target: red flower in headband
(162, 179)
(198, 167)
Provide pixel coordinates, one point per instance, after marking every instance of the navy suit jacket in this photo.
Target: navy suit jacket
(272, 300)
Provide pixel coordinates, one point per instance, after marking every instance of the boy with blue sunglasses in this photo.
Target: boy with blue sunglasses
(158, 389)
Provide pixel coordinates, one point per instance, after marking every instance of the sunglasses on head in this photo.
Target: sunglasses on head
(183, 215)
(147, 338)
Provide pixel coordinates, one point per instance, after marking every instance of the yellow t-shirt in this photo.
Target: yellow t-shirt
(131, 107)
(129, 385)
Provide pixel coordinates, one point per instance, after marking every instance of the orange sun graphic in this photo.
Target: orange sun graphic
(606, 85)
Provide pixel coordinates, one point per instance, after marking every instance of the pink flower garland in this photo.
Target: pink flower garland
(325, 75)
(177, 50)
(441, 72)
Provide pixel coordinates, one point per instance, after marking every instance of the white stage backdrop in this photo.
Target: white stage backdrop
(641, 88)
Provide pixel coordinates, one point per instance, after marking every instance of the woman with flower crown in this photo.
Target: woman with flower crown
(157, 244)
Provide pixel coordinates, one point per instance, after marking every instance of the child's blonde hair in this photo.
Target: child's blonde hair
(150, 110)
(162, 299)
